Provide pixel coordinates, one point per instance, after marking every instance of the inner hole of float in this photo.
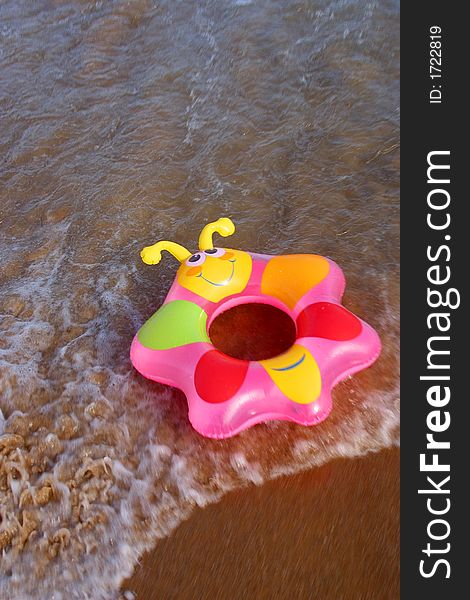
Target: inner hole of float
(253, 331)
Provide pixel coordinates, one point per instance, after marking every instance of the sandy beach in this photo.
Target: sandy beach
(327, 534)
(125, 123)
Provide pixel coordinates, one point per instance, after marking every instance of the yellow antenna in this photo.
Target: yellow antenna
(151, 255)
(223, 226)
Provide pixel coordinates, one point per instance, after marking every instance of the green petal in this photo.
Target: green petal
(174, 324)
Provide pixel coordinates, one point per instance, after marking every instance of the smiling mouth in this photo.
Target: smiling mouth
(227, 281)
(289, 367)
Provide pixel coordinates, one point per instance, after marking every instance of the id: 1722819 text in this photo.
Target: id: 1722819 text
(435, 64)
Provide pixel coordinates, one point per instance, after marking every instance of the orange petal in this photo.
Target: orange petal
(291, 276)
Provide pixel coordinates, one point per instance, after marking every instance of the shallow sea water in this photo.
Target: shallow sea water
(127, 122)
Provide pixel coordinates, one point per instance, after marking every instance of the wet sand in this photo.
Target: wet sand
(328, 533)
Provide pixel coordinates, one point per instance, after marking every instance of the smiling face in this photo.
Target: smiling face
(215, 274)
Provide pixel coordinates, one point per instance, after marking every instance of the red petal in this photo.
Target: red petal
(327, 320)
(218, 377)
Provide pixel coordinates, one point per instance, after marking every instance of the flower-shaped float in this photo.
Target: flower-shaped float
(225, 394)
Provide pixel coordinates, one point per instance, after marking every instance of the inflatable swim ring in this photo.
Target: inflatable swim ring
(226, 395)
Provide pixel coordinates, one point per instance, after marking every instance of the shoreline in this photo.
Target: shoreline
(328, 533)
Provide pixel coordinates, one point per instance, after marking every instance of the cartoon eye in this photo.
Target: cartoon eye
(196, 259)
(216, 252)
